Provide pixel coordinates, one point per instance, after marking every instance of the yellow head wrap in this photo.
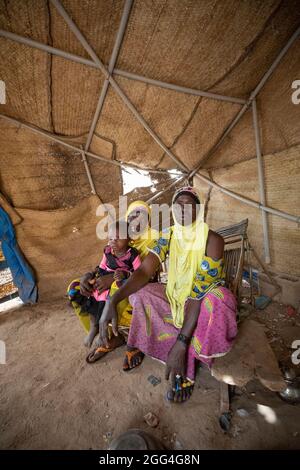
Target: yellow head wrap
(187, 248)
(147, 237)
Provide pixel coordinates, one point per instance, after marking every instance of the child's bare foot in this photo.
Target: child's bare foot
(94, 330)
(98, 342)
(113, 343)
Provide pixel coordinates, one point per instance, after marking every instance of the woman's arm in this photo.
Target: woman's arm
(214, 245)
(136, 281)
(215, 250)
(176, 362)
(138, 278)
(87, 281)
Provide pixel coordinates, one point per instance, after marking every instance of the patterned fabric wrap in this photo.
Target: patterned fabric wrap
(210, 273)
(153, 332)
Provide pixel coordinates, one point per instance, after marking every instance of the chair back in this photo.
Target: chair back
(235, 237)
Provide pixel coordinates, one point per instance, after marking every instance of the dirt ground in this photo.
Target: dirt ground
(50, 398)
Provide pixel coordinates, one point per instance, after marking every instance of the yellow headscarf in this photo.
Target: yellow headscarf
(144, 241)
(187, 248)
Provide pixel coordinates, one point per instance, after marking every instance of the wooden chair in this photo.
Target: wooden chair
(236, 249)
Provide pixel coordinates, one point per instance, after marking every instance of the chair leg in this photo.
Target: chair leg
(225, 412)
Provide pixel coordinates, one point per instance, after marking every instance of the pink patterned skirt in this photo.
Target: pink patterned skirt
(152, 330)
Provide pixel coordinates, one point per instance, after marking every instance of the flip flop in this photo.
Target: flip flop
(130, 355)
(97, 353)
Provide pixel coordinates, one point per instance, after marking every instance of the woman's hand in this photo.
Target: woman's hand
(109, 315)
(119, 275)
(104, 282)
(86, 284)
(176, 362)
(177, 358)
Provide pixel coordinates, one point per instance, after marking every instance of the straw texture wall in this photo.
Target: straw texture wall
(220, 46)
(282, 175)
(60, 244)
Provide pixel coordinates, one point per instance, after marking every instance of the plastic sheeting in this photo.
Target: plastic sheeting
(21, 272)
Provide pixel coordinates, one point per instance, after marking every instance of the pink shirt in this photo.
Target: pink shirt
(128, 262)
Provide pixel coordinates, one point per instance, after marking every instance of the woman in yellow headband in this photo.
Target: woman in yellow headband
(138, 216)
(79, 291)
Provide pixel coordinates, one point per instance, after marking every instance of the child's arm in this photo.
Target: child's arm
(105, 278)
(88, 280)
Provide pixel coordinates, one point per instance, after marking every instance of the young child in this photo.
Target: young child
(118, 258)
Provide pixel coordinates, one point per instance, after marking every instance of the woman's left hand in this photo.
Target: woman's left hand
(104, 282)
(119, 275)
(176, 362)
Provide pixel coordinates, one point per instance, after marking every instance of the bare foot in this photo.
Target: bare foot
(113, 343)
(100, 351)
(94, 330)
(182, 392)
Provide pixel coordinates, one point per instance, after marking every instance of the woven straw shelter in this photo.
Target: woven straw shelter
(202, 86)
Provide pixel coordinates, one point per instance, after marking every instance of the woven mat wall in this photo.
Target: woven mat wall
(224, 47)
(282, 175)
(60, 244)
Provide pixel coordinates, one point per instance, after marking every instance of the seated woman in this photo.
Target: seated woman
(86, 306)
(195, 316)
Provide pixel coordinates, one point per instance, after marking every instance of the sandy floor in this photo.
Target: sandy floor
(51, 399)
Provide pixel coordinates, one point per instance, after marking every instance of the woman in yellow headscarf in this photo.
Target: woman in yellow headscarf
(138, 216)
(143, 235)
(194, 317)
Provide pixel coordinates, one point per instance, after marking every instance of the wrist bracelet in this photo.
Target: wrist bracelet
(184, 339)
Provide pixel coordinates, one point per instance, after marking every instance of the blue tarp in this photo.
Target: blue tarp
(21, 272)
